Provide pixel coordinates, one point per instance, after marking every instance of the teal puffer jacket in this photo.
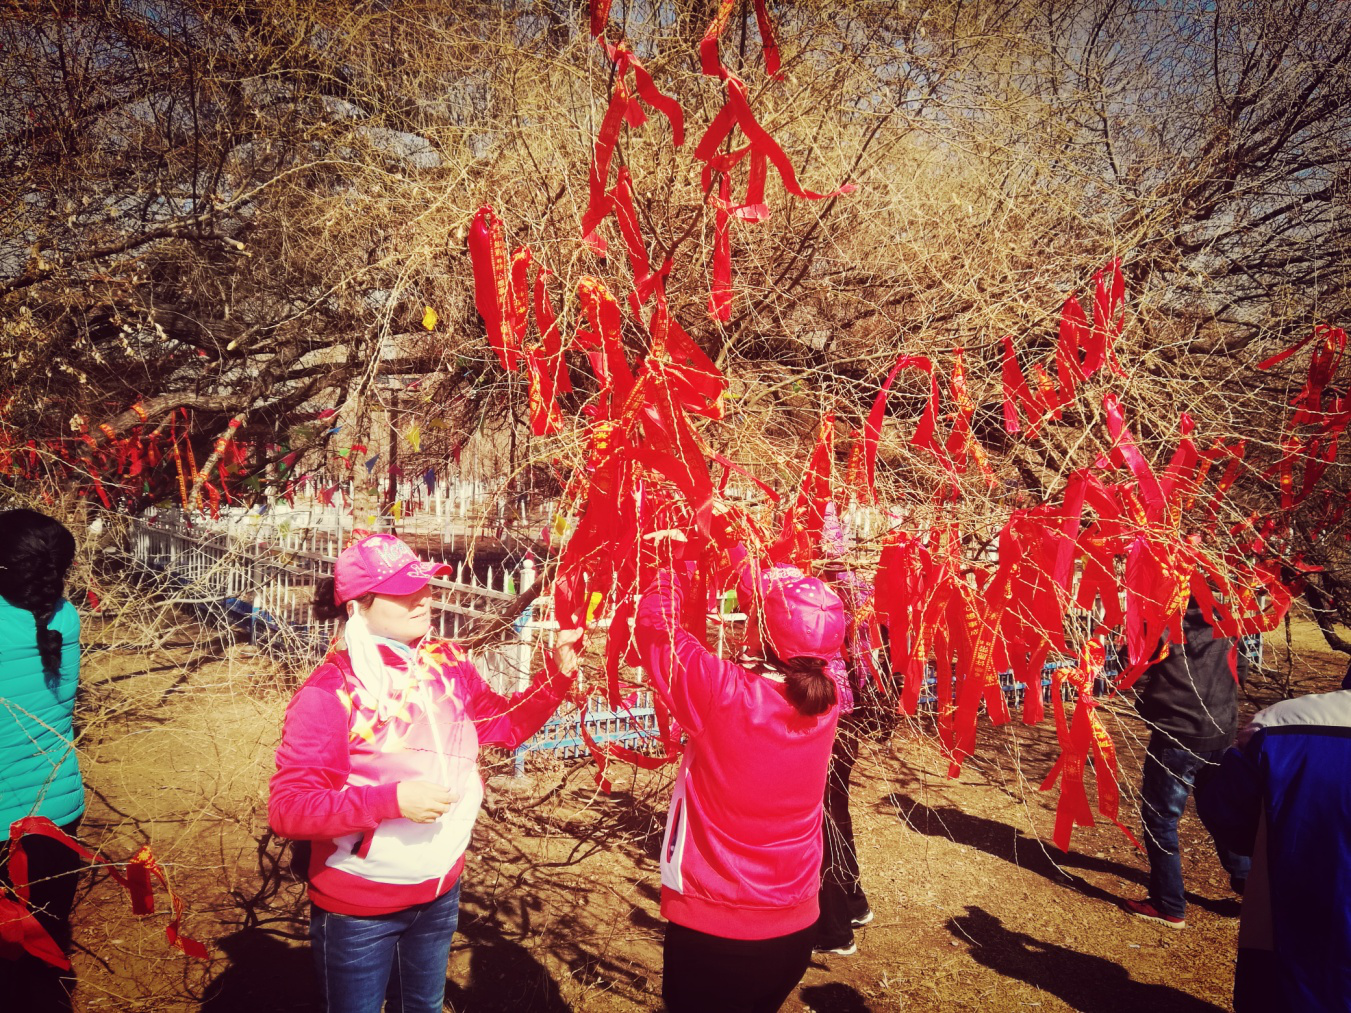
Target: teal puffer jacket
(39, 773)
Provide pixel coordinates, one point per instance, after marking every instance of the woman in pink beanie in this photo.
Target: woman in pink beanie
(741, 856)
(378, 768)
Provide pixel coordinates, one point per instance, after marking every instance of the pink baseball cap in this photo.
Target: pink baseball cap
(383, 564)
(802, 618)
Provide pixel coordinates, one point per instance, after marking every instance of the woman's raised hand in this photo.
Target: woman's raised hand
(424, 802)
(565, 651)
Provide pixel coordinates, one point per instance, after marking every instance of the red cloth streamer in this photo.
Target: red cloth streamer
(598, 205)
(602, 342)
(623, 107)
(1149, 486)
(545, 417)
(600, 17)
(1077, 738)
(648, 91)
(924, 432)
(711, 64)
(545, 364)
(698, 384)
(708, 45)
(136, 880)
(767, 43)
(518, 295)
(1109, 289)
(737, 112)
(1074, 335)
(720, 295)
(962, 442)
(492, 297)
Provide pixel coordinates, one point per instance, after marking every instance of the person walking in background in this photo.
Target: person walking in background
(844, 905)
(378, 767)
(39, 769)
(741, 854)
(1189, 699)
(1283, 797)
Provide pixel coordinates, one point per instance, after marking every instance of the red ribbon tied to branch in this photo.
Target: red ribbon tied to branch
(924, 432)
(493, 297)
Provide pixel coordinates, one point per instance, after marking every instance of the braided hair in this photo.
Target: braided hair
(35, 553)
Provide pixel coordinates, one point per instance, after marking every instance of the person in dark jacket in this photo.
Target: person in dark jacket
(1189, 699)
(844, 905)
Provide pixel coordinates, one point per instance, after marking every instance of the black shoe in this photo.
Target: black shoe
(846, 950)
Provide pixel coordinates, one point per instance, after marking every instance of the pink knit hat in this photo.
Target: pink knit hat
(802, 618)
(383, 564)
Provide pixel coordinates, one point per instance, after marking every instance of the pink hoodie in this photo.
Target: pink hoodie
(345, 747)
(741, 857)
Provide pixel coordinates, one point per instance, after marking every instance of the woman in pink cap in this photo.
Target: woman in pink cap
(741, 856)
(378, 768)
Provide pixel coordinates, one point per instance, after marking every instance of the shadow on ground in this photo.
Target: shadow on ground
(834, 997)
(1010, 844)
(504, 976)
(265, 974)
(1084, 982)
(268, 975)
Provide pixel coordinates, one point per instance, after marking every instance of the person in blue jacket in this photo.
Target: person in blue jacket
(1283, 796)
(39, 770)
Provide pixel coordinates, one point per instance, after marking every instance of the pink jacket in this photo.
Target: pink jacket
(741, 857)
(345, 747)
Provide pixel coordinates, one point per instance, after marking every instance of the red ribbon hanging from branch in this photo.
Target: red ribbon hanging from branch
(623, 107)
(709, 61)
(924, 432)
(492, 296)
(720, 294)
(697, 383)
(737, 112)
(600, 17)
(769, 46)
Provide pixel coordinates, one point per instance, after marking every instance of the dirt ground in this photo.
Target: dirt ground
(975, 910)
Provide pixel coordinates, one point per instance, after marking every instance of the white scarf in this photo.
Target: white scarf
(363, 648)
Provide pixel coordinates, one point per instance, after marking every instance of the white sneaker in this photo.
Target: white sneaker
(864, 920)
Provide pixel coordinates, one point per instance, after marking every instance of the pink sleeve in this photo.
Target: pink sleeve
(510, 720)
(308, 798)
(689, 677)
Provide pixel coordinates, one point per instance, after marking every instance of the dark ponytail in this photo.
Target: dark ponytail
(325, 606)
(806, 684)
(35, 554)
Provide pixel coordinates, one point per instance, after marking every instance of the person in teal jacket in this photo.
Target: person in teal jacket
(39, 770)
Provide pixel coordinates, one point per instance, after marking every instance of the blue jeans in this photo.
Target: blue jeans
(1170, 774)
(402, 957)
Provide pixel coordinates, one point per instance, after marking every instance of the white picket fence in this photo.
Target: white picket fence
(261, 576)
(259, 573)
